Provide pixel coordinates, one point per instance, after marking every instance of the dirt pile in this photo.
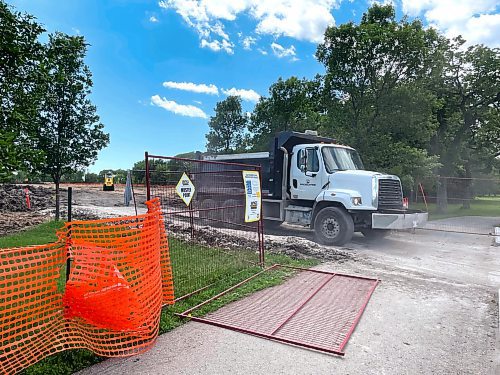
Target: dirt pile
(295, 247)
(13, 198)
(14, 222)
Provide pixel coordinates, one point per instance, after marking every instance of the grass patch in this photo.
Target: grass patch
(224, 268)
(38, 235)
(481, 206)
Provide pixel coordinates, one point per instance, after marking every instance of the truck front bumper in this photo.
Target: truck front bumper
(399, 220)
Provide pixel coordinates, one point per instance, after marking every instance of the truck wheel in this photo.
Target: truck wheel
(333, 226)
(375, 234)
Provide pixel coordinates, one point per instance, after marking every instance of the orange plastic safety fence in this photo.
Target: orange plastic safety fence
(120, 277)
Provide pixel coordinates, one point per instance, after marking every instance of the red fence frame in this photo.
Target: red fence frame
(190, 210)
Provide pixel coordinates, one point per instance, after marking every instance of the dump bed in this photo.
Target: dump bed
(272, 162)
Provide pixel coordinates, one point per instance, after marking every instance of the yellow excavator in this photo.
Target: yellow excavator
(109, 185)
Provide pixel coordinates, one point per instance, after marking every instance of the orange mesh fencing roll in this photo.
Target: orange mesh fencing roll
(120, 277)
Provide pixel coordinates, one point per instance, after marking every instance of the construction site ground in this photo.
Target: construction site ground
(435, 311)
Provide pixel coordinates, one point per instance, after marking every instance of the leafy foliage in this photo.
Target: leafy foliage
(227, 126)
(20, 90)
(293, 104)
(69, 133)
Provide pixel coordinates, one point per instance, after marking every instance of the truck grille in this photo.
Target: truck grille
(390, 194)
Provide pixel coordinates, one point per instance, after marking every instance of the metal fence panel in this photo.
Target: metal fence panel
(208, 236)
(457, 204)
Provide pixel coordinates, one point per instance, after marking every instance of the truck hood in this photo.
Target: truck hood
(358, 174)
(357, 183)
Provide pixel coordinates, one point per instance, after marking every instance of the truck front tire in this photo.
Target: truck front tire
(333, 226)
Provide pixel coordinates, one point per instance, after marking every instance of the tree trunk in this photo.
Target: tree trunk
(58, 199)
(442, 196)
(468, 187)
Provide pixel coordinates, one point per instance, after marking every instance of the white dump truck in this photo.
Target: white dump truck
(316, 182)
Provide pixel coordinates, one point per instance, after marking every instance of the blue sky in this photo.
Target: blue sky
(159, 67)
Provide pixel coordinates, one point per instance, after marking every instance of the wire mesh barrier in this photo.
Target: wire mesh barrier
(455, 204)
(313, 309)
(204, 205)
(111, 304)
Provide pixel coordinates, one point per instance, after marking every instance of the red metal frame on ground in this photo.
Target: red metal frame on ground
(300, 304)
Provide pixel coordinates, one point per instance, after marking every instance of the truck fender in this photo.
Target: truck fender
(333, 198)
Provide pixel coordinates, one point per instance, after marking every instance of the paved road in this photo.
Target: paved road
(435, 312)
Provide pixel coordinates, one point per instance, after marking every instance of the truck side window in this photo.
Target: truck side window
(300, 159)
(312, 160)
(308, 158)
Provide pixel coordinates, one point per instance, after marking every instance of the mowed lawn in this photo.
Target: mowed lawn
(194, 266)
(480, 206)
(38, 235)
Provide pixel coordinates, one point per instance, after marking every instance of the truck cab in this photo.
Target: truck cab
(316, 182)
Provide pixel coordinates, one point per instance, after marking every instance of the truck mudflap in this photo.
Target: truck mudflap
(400, 220)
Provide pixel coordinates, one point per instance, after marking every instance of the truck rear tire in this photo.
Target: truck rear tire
(375, 234)
(333, 226)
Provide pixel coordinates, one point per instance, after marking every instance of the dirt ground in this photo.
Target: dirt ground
(435, 311)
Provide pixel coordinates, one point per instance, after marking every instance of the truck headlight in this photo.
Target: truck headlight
(356, 201)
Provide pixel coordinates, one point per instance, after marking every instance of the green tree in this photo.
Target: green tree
(92, 177)
(20, 90)
(70, 133)
(227, 126)
(292, 104)
(375, 91)
(467, 138)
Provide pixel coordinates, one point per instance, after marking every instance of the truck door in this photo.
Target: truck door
(305, 174)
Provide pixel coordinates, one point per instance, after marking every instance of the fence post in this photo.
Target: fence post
(260, 224)
(146, 159)
(70, 217)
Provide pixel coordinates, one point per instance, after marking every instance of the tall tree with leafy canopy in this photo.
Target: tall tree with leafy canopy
(20, 90)
(292, 104)
(468, 135)
(70, 133)
(227, 126)
(376, 98)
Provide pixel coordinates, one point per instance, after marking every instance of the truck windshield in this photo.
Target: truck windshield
(341, 159)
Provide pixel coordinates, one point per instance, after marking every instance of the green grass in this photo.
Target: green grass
(481, 206)
(38, 235)
(224, 268)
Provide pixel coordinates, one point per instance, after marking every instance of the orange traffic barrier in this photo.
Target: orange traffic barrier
(120, 277)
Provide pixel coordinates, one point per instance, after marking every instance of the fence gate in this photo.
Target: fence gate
(204, 204)
(458, 204)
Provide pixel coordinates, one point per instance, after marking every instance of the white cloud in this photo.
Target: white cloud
(262, 51)
(153, 19)
(178, 109)
(248, 95)
(247, 42)
(281, 51)
(299, 19)
(193, 87)
(216, 45)
(477, 21)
